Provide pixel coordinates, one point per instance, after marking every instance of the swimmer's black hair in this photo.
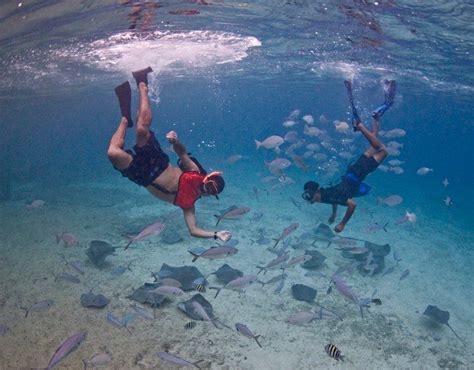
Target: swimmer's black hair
(311, 186)
(220, 183)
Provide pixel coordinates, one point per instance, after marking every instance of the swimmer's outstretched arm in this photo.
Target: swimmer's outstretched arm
(351, 206)
(181, 151)
(194, 230)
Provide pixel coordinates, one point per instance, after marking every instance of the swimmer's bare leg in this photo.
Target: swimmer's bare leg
(119, 157)
(144, 115)
(377, 148)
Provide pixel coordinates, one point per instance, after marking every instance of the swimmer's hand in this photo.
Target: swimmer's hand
(339, 227)
(224, 235)
(172, 137)
(331, 219)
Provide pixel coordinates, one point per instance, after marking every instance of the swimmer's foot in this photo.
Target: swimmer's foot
(355, 123)
(355, 116)
(124, 94)
(390, 88)
(142, 75)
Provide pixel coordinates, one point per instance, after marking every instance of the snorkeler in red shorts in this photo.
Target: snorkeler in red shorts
(147, 165)
(351, 184)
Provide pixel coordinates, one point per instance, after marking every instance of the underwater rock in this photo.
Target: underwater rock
(144, 296)
(303, 293)
(316, 261)
(98, 251)
(186, 275)
(225, 274)
(94, 300)
(188, 309)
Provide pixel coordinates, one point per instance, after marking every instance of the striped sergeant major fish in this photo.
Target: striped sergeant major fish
(333, 352)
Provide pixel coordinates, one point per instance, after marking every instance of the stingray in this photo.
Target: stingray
(94, 300)
(305, 293)
(144, 296)
(316, 261)
(188, 309)
(98, 251)
(186, 275)
(225, 274)
(441, 317)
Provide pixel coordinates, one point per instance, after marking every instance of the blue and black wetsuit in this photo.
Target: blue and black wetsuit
(351, 184)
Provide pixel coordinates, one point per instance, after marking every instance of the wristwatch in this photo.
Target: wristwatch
(215, 235)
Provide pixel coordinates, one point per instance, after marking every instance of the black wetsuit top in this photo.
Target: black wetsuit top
(349, 187)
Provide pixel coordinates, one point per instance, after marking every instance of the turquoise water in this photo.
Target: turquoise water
(225, 75)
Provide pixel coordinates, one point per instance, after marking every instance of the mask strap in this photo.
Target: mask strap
(208, 180)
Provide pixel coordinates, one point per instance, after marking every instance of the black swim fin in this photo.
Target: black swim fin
(355, 116)
(389, 88)
(142, 75)
(124, 94)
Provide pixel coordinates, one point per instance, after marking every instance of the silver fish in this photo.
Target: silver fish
(201, 312)
(40, 306)
(4, 329)
(120, 270)
(274, 264)
(215, 253)
(233, 213)
(302, 317)
(238, 284)
(396, 257)
(115, 321)
(358, 250)
(170, 282)
(274, 279)
(389, 270)
(176, 360)
(143, 313)
(298, 260)
(342, 287)
(167, 290)
(67, 277)
(99, 359)
(280, 286)
(244, 330)
(404, 274)
(151, 230)
(66, 348)
(287, 231)
(78, 266)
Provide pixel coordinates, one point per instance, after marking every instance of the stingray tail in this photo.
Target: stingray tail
(216, 288)
(219, 218)
(457, 336)
(130, 241)
(276, 242)
(256, 340)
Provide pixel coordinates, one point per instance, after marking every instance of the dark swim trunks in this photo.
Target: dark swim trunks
(349, 187)
(149, 162)
(363, 167)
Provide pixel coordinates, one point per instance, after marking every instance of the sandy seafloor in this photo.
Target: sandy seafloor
(392, 336)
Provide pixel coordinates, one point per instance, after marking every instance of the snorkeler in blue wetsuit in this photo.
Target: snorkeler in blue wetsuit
(351, 184)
